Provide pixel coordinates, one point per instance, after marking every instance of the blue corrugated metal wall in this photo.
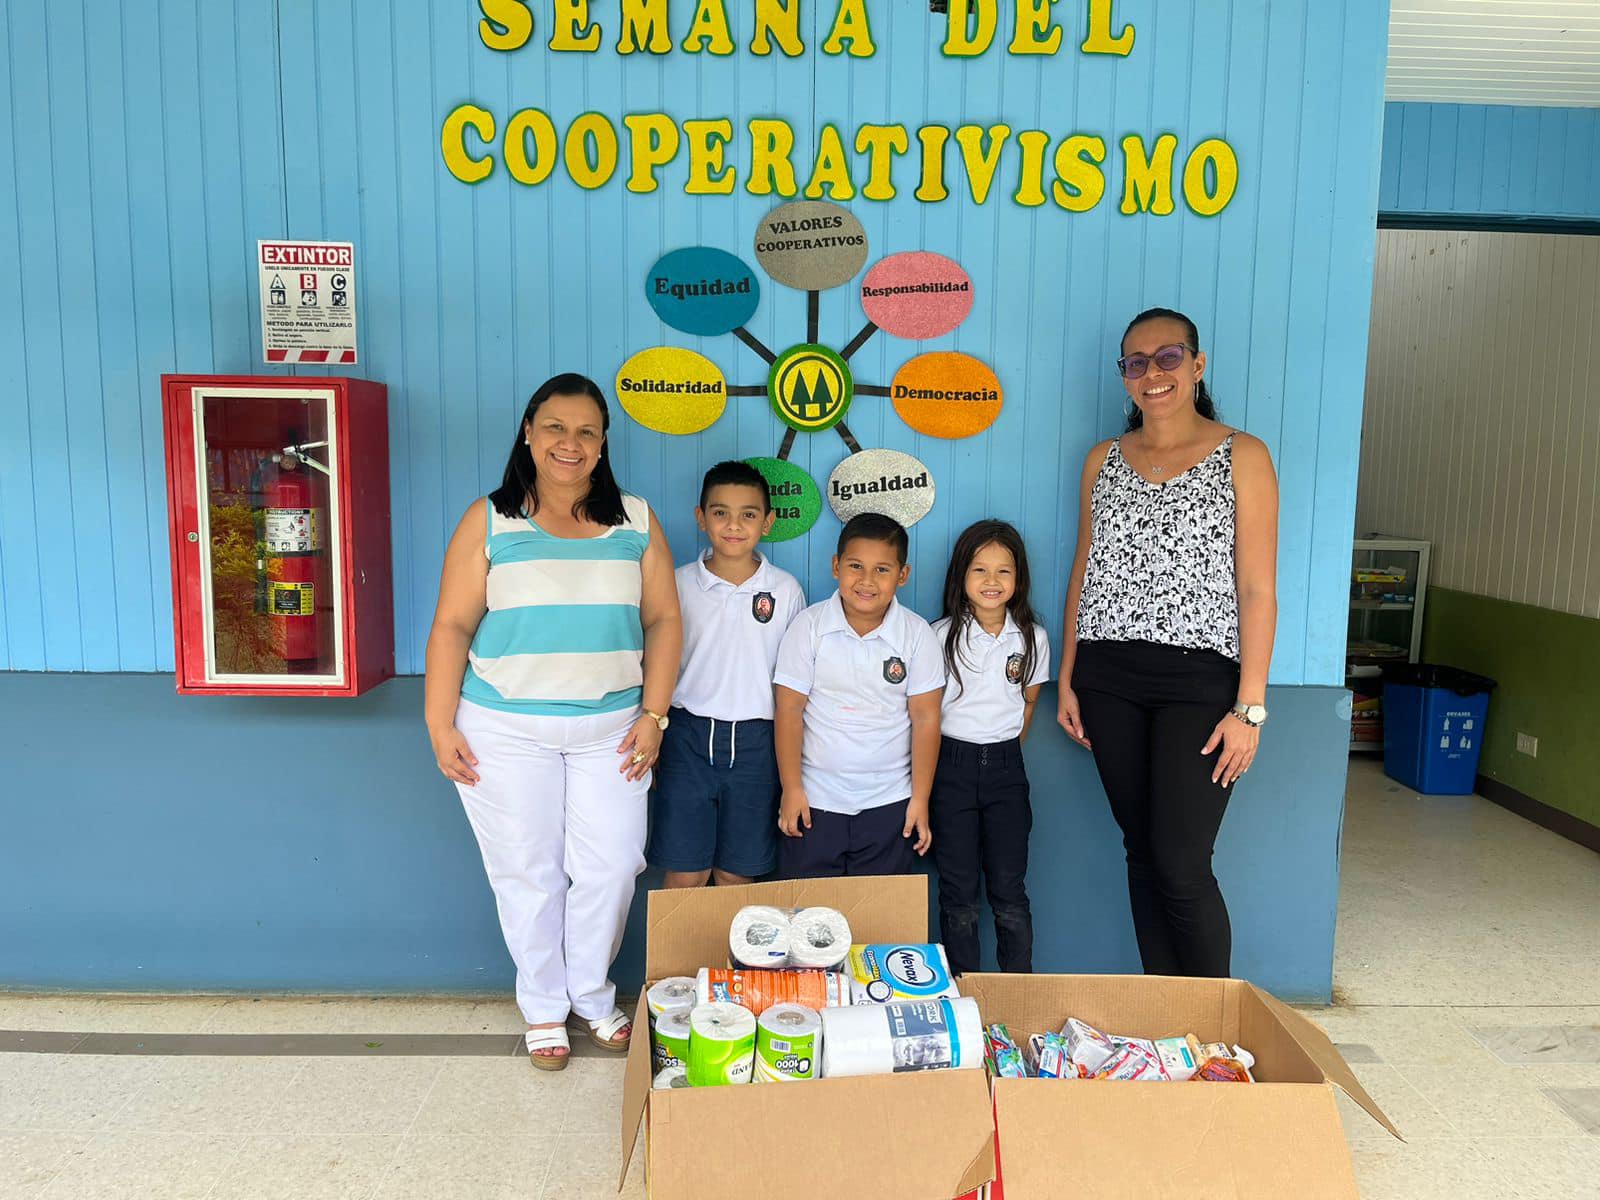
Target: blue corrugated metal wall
(150, 144)
(1490, 160)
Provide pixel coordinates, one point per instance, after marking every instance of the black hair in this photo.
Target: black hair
(875, 527)
(516, 495)
(959, 609)
(735, 473)
(1202, 397)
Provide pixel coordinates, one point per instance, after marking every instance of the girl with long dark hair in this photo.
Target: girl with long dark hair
(550, 668)
(996, 657)
(1169, 622)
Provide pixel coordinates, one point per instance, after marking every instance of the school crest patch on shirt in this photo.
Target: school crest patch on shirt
(762, 606)
(1014, 669)
(894, 670)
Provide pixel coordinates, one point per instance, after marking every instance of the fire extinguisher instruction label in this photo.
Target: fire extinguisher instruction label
(293, 531)
(308, 301)
(291, 599)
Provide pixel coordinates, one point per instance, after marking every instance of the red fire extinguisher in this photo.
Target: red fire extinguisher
(291, 532)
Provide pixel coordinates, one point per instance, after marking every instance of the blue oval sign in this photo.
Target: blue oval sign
(700, 289)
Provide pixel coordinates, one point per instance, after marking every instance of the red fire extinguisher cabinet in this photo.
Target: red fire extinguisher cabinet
(278, 509)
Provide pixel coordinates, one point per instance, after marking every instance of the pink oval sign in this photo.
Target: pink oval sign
(917, 295)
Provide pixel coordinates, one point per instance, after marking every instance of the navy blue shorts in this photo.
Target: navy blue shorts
(872, 842)
(716, 797)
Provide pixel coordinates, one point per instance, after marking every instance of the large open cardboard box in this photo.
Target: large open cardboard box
(922, 1135)
(1279, 1137)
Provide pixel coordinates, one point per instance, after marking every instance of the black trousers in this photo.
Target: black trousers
(1149, 710)
(870, 842)
(981, 820)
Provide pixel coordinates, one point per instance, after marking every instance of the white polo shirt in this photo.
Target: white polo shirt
(856, 753)
(730, 639)
(989, 708)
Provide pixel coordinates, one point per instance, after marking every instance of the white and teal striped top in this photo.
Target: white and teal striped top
(562, 635)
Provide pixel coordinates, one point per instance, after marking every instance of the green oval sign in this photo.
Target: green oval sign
(796, 498)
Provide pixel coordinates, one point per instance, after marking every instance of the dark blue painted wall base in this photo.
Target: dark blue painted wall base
(156, 842)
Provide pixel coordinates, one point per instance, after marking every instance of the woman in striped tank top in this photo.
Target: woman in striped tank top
(551, 665)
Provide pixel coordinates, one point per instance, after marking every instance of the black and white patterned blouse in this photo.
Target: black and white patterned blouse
(1161, 557)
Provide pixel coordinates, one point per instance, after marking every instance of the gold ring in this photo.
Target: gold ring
(638, 756)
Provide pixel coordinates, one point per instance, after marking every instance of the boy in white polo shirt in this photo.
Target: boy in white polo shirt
(716, 785)
(859, 682)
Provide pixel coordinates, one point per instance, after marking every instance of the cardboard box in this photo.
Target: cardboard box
(929, 1132)
(1279, 1137)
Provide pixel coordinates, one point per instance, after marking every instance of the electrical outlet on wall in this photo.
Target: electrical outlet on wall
(1528, 744)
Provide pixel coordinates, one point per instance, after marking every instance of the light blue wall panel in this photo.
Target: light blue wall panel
(1490, 160)
(155, 142)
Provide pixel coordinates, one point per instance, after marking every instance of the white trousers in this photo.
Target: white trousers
(562, 834)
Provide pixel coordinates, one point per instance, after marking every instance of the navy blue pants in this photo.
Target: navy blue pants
(868, 843)
(981, 821)
(716, 797)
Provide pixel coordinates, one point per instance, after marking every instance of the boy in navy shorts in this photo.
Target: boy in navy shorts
(859, 684)
(717, 778)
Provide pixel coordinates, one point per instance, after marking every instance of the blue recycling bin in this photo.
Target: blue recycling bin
(1433, 720)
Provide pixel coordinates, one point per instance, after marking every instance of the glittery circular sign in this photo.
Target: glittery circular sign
(946, 394)
(917, 294)
(811, 245)
(881, 481)
(795, 498)
(672, 390)
(810, 387)
(700, 289)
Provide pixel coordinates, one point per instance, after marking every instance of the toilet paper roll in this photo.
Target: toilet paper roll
(722, 1044)
(669, 1039)
(881, 1039)
(788, 1039)
(818, 937)
(671, 1077)
(670, 995)
(759, 936)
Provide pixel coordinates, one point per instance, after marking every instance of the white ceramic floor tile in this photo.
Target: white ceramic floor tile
(1544, 1168)
(360, 1095)
(1500, 1102)
(583, 1165)
(1416, 1118)
(211, 1095)
(1538, 1045)
(468, 1167)
(1442, 1170)
(1431, 1035)
(67, 1092)
(276, 1167)
(28, 1161)
(496, 1095)
(353, 1014)
(107, 1014)
(139, 1166)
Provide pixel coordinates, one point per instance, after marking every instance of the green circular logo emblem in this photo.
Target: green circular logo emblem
(810, 387)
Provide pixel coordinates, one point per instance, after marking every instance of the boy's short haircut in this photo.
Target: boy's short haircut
(875, 527)
(737, 474)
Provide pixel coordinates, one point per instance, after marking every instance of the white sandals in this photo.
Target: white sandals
(605, 1032)
(554, 1038)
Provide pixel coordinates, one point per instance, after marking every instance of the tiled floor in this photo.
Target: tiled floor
(1468, 974)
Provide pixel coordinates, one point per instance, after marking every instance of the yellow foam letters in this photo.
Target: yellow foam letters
(710, 24)
(1218, 153)
(1033, 19)
(831, 171)
(653, 139)
(1100, 39)
(506, 24)
(526, 171)
(851, 25)
(707, 175)
(1147, 181)
(779, 19)
(453, 142)
(1030, 183)
(931, 188)
(586, 174)
(880, 143)
(981, 166)
(644, 27)
(958, 42)
(571, 29)
(771, 169)
(1081, 183)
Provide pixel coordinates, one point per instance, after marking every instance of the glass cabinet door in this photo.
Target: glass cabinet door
(268, 531)
(1383, 603)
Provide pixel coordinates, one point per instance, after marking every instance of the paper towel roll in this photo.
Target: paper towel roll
(902, 1035)
(759, 936)
(671, 994)
(788, 1040)
(722, 1044)
(671, 1077)
(669, 1039)
(818, 937)
(758, 990)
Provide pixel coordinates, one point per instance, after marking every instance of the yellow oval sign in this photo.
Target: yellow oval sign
(946, 394)
(672, 390)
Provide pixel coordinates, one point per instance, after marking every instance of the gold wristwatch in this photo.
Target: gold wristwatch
(658, 718)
